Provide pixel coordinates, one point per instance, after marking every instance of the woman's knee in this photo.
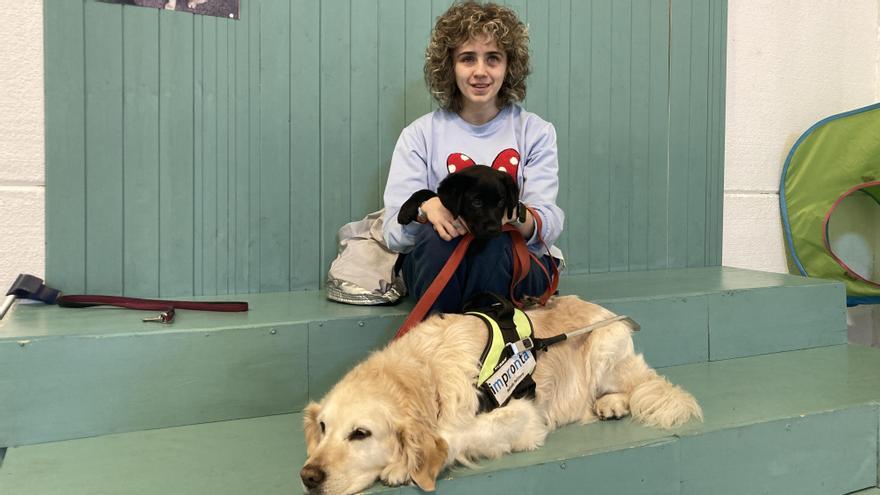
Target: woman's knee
(495, 253)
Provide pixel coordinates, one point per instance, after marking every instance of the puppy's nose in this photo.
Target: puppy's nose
(312, 476)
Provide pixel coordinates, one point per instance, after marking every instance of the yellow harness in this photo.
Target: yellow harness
(493, 352)
(505, 357)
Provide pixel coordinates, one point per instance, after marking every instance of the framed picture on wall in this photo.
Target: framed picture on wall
(219, 8)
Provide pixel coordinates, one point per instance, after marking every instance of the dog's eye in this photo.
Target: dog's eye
(359, 434)
(477, 203)
(323, 427)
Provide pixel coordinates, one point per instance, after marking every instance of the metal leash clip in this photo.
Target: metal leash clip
(166, 317)
(521, 345)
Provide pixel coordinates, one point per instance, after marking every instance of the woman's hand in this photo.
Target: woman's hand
(447, 227)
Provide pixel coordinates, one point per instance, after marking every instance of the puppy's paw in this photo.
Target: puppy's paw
(409, 211)
(612, 406)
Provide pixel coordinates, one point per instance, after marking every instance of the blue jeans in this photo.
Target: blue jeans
(487, 267)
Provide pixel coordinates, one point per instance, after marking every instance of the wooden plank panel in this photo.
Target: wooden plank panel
(335, 346)
(717, 74)
(832, 452)
(558, 103)
(305, 160)
(221, 267)
(176, 154)
(674, 331)
(245, 148)
(416, 35)
(241, 157)
(209, 155)
(763, 321)
(159, 380)
(65, 145)
(698, 164)
(577, 220)
(538, 83)
(335, 124)
(103, 71)
(392, 85)
(254, 13)
(620, 127)
(600, 137)
(364, 164)
(140, 152)
(639, 134)
(658, 165)
(679, 131)
(650, 468)
(198, 156)
(275, 145)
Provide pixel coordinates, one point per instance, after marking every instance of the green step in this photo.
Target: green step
(802, 422)
(75, 373)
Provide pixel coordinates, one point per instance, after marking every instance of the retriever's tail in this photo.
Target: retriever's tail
(656, 402)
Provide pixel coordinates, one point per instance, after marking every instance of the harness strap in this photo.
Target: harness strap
(421, 308)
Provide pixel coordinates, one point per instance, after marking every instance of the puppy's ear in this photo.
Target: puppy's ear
(451, 192)
(311, 427)
(511, 195)
(424, 454)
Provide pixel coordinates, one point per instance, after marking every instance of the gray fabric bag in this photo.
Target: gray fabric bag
(363, 271)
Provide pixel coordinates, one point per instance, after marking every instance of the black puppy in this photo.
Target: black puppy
(479, 195)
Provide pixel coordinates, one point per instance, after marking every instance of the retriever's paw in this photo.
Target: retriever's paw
(612, 406)
(395, 475)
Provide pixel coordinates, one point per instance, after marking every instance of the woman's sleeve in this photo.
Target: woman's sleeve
(541, 184)
(408, 174)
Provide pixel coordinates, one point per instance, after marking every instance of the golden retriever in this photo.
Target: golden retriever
(411, 409)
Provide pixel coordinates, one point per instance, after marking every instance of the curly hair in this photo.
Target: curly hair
(465, 21)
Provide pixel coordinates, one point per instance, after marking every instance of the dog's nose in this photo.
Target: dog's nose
(312, 476)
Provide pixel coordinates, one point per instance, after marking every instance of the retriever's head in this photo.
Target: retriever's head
(364, 430)
(482, 196)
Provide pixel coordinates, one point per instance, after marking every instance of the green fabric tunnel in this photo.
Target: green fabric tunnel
(837, 160)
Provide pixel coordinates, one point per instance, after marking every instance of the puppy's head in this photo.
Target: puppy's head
(365, 430)
(482, 196)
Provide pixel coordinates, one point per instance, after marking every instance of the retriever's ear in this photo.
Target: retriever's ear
(311, 427)
(451, 192)
(511, 195)
(424, 454)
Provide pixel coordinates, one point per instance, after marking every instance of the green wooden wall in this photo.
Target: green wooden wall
(200, 155)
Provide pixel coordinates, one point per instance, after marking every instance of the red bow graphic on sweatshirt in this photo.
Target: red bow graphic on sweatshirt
(506, 161)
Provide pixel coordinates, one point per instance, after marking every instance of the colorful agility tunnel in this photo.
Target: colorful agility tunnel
(830, 201)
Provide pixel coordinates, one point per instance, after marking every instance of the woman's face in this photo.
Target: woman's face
(479, 71)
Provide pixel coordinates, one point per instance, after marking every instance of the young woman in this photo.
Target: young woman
(475, 67)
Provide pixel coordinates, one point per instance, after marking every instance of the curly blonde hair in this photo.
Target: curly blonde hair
(469, 20)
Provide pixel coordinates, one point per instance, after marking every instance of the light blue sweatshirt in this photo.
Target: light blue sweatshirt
(427, 146)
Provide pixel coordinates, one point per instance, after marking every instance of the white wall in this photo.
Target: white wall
(22, 181)
(790, 63)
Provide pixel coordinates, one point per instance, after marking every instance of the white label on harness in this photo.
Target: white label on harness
(509, 374)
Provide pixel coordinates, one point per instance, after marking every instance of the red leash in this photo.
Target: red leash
(166, 307)
(522, 259)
